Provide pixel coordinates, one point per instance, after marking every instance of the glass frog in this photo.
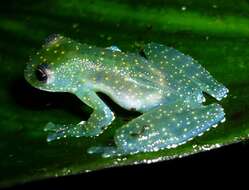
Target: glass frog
(161, 83)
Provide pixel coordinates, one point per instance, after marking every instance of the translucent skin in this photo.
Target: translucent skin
(165, 85)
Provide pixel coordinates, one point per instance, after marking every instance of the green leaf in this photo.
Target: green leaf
(215, 33)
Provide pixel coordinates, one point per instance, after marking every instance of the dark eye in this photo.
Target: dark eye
(41, 73)
(141, 53)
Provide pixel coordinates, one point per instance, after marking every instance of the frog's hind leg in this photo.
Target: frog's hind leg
(172, 59)
(163, 127)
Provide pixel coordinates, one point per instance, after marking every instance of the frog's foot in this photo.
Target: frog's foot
(58, 131)
(50, 126)
(104, 151)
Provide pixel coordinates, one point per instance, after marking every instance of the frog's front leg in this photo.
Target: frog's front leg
(101, 117)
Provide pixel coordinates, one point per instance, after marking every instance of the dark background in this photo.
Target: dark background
(220, 168)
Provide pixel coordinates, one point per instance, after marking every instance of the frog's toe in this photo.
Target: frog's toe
(56, 136)
(57, 131)
(114, 48)
(50, 126)
(104, 151)
(219, 92)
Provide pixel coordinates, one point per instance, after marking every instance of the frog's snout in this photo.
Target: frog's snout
(28, 73)
(52, 38)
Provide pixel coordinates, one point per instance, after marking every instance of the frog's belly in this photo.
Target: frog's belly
(138, 101)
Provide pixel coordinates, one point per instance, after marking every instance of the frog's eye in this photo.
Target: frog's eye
(41, 73)
(142, 53)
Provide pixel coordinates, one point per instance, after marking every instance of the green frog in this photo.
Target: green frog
(161, 83)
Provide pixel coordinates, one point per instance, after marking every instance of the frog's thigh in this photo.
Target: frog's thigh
(177, 62)
(162, 128)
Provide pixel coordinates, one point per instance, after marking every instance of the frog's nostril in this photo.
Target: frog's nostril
(52, 38)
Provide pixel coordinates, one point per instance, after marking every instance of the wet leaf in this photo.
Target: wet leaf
(214, 32)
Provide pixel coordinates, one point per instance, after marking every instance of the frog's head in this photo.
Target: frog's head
(48, 69)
